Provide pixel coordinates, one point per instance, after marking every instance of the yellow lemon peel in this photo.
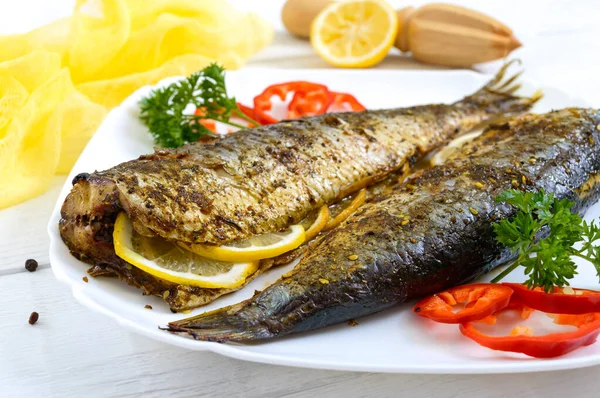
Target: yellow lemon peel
(318, 225)
(258, 247)
(347, 211)
(176, 265)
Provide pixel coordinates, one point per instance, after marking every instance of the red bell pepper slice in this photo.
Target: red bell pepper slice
(212, 124)
(580, 301)
(209, 124)
(302, 105)
(544, 346)
(481, 300)
(308, 103)
(344, 102)
(246, 110)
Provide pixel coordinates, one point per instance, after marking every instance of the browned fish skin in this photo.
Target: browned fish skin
(435, 231)
(260, 180)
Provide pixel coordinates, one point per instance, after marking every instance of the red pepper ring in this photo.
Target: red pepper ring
(246, 110)
(581, 301)
(480, 299)
(344, 102)
(546, 346)
(208, 123)
(309, 103)
(212, 124)
(263, 104)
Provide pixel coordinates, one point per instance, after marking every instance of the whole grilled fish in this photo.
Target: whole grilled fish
(433, 232)
(259, 180)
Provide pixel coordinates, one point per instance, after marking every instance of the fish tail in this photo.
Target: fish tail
(239, 322)
(219, 326)
(498, 95)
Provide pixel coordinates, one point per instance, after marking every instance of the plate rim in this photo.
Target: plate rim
(523, 365)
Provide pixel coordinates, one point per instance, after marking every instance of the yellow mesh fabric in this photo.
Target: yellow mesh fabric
(58, 82)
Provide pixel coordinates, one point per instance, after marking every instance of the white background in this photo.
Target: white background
(72, 351)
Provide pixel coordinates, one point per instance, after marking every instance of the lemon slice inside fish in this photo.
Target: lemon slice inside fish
(452, 148)
(344, 209)
(315, 223)
(354, 33)
(255, 248)
(166, 260)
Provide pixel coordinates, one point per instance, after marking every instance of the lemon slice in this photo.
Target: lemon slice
(355, 33)
(452, 147)
(256, 248)
(345, 208)
(170, 262)
(315, 223)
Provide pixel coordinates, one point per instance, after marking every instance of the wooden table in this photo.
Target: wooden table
(73, 351)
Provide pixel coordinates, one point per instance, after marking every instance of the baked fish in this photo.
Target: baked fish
(433, 232)
(258, 180)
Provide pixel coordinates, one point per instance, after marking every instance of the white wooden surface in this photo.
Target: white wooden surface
(72, 351)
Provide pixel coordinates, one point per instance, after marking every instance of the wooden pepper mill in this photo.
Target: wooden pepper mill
(443, 34)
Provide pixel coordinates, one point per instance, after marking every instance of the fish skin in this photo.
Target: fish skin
(258, 180)
(448, 240)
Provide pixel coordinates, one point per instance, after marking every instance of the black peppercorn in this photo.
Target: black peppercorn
(33, 318)
(31, 265)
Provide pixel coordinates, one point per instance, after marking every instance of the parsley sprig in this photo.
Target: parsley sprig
(164, 111)
(543, 232)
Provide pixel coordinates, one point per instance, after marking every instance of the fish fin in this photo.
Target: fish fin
(233, 323)
(498, 95)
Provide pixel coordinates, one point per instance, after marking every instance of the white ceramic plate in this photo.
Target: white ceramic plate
(392, 341)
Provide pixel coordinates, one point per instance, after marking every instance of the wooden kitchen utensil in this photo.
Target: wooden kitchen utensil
(449, 35)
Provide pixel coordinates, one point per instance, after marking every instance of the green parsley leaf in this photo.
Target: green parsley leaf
(164, 111)
(543, 232)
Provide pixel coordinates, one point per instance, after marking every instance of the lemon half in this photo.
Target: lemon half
(170, 262)
(354, 33)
